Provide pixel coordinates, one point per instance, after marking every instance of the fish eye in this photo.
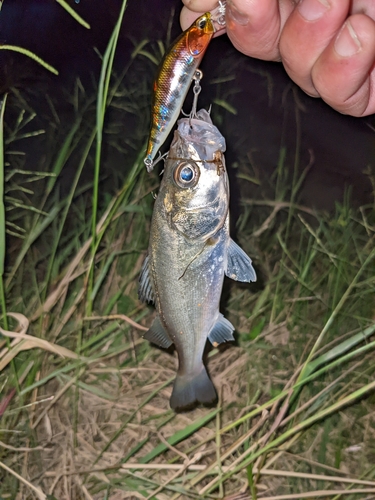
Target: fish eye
(186, 175)
(202, 23)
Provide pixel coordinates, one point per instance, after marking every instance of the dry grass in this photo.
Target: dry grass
(101, 427)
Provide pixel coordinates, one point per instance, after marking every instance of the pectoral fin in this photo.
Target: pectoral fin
(222, 331)
(157, 334)
(239, 264)
(145, 292)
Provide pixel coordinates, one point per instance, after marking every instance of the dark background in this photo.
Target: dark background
(271, 111)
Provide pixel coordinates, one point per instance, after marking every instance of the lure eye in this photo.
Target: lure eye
(186, 175)
(202, 23)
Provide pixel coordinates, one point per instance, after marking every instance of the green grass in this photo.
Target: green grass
(31, 55)
(84, 400)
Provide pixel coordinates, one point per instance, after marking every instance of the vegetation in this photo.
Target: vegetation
(84, 400)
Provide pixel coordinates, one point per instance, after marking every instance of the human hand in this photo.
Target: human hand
(326, 46)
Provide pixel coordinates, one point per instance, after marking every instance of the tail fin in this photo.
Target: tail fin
(188, 389)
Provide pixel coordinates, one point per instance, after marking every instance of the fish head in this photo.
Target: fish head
(195, 190)
(199, 35)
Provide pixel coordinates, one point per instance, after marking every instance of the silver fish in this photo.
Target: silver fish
(190, 250)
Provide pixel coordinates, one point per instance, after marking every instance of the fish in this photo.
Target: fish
(174, 77)
(190, 250)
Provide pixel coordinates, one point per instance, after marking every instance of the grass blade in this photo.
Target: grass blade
(179, 436)
(32, 56)
(73, 13)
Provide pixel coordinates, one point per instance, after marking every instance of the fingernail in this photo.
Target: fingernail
(312, 10)
(347, 43)
(236, 15)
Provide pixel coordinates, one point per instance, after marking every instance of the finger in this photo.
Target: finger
(254, 26)
(187, 17)
(344, 74)
(200, 6)
(363, 7)
(193, 9)
(307, 33)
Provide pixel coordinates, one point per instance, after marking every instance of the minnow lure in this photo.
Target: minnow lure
(173, 80)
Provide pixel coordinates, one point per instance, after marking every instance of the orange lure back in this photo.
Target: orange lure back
(173, 80)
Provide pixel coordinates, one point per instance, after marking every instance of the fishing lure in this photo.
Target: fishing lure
(175, 74)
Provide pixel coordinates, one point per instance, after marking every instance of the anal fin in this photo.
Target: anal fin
(157, 334)
(222, 331)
